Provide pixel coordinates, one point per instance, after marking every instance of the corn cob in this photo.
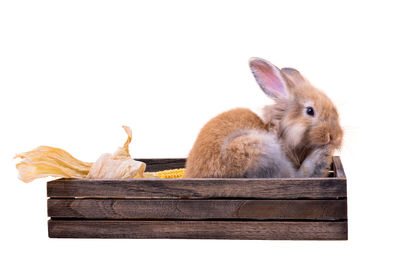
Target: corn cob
(173, 173)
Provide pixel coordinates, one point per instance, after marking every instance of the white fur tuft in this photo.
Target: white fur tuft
(295, 134)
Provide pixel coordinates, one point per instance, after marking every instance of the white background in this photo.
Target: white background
(73, 72)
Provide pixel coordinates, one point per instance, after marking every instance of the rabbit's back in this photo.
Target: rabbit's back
(206, 157)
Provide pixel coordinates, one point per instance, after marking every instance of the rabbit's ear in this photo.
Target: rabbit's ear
(270, 78)
(294, 75)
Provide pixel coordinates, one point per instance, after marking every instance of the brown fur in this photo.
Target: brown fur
(205, 158)
(320, 130)
(298, 134)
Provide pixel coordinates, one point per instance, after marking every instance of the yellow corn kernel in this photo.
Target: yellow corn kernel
(173, 173)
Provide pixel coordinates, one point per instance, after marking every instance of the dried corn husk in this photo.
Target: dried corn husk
(118, 165)
(47, 161)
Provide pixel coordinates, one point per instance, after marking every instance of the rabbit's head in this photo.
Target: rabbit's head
(305, 118)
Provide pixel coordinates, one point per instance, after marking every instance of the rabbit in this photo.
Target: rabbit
(294, 137)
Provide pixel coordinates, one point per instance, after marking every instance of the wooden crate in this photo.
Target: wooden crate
(204, 208)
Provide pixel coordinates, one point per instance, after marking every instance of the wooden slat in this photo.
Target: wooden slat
(154, 165)
(260, 188)
(338, 167)
(293, 230)
(198, 209)
(160, 164)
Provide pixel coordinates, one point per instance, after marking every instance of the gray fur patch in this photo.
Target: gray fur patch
(271, 162)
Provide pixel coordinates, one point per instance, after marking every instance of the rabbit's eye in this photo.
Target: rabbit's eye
(310, 111)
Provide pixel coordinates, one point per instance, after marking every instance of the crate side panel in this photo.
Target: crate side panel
(198, 209)
(198, 229)
(154, 165)
(197, 188)
(338, 167)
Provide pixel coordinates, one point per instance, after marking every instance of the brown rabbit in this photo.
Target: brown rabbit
(295, 137)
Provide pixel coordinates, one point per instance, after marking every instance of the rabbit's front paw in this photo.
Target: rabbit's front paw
(317, 163)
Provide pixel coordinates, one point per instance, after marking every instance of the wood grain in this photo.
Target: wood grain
(160, 164)
(198, 188)
(295, 230)
(198, 209)
(154, 165)
(201, 208)
(338, 167)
